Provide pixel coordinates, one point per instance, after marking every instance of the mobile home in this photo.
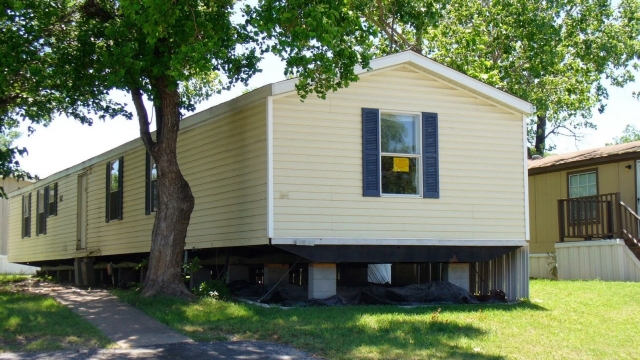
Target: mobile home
(583, 208)
(414, 165)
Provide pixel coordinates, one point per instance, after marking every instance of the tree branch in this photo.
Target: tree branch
(94, 10)
(143, 119)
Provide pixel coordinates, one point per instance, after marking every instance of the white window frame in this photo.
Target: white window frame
(418, 156)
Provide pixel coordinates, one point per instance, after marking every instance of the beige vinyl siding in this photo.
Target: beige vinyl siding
(60, 240)
(546, 189)
(224, 159)
(318, 164)
(9, 185)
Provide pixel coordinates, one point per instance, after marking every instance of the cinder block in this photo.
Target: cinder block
(458, 274)
(322, 281)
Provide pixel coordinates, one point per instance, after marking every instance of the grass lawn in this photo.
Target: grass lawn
(37, 323)
(563, 320)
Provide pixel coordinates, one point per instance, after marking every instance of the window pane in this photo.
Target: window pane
(114, 206)
(400, 175)
(399, 133)
(583, 179)
(52, 201)
(573, 180)
(154, 170)
(591, 178)
(41, 202)
(115, 166)
(591, 190)
(582, 191)
(573, 192)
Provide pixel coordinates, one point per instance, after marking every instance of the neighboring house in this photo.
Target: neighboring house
(414, 165)
(586, 195)
(9, 184)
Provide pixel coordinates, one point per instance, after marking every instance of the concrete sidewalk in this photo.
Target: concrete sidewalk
(141, 337)
(120, 322)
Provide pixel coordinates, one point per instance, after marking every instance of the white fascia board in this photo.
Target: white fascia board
(526, 178)
(270, 206)
(304, 241)
(186, 124)
(432, 67)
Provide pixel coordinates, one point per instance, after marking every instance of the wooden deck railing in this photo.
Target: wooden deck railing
(589, 217)
(629, 224)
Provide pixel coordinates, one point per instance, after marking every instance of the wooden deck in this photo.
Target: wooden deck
(602, 216)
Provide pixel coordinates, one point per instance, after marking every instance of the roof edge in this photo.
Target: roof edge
(199, 118)
(584, 163)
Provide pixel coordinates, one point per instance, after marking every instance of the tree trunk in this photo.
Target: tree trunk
(175, 202)
(541, 134)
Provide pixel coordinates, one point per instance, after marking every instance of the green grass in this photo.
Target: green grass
(563, 320)
(12, 278)
(38, 323)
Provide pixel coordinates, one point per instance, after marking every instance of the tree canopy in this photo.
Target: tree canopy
(70, 54)
(558, 55)
(630, 134)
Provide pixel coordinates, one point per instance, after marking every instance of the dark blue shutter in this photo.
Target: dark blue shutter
(46, 210)
(120, 187)
(147, 184)
(107, 207)
(24, 226)
(38, 213)
(430, 173)
(370, 152)
(29, 212)
(55, 200)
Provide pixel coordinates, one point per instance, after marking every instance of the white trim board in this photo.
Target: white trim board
(568, 244)
(270, 167)
(404, 242)
(526, 179)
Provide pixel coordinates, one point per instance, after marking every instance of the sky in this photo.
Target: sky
(67, 142)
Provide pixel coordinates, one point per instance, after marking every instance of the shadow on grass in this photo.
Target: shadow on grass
(337, 332)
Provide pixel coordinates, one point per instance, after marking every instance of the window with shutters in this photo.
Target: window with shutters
(114, 194)
(46, 206)
(151, 176)
(26, 215)
(400, 157)
(400, 154)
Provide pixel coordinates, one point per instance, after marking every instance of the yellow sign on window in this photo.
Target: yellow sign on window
(400, 164)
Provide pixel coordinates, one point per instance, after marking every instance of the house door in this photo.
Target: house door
(82, 212)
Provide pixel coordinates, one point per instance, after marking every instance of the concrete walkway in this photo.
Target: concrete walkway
(139, 336)
(123, 324)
